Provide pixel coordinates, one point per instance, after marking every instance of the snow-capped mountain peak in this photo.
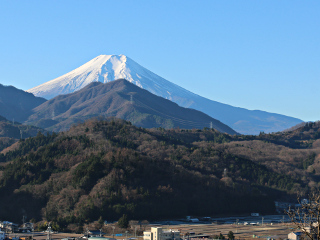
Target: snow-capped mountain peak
(106, 68)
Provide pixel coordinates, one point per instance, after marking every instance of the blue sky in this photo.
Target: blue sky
(253, 54)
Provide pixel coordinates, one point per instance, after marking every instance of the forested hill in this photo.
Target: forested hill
(107, 168)
(11, 132)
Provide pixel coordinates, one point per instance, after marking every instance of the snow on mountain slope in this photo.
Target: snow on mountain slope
(106, 68)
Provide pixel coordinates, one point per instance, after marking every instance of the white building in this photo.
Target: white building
(157, 233)
(294, 236)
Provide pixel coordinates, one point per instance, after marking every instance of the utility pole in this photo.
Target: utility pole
(211, 125)
(49, 231)
(21, 134)
(87, 233)
(237, 222)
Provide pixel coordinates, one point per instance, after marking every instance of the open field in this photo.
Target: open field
(274, 230)
(279, 230)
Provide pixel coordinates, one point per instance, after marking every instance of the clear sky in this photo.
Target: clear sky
(253, 54)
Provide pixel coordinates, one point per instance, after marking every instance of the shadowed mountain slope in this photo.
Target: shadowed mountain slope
(120, 99)
(17, 104)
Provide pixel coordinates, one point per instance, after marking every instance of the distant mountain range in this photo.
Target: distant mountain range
(120, 99)
(106, 68)
(16, 104)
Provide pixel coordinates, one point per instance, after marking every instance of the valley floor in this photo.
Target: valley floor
(275, 231)
(265, 231)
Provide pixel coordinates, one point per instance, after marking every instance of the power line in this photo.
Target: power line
(182, 121)
(179, 120)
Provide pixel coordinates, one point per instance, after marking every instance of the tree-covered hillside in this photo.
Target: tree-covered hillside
(11, 132)
(108, 168)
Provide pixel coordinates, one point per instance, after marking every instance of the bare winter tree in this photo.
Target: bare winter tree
(306, 217)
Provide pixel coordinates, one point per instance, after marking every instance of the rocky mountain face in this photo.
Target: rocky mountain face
(16, 104)
(120, 99)
(106, 68)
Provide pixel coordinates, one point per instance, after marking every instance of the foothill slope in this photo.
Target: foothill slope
(109, 168)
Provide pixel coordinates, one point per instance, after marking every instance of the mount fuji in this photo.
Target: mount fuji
(106, 68)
